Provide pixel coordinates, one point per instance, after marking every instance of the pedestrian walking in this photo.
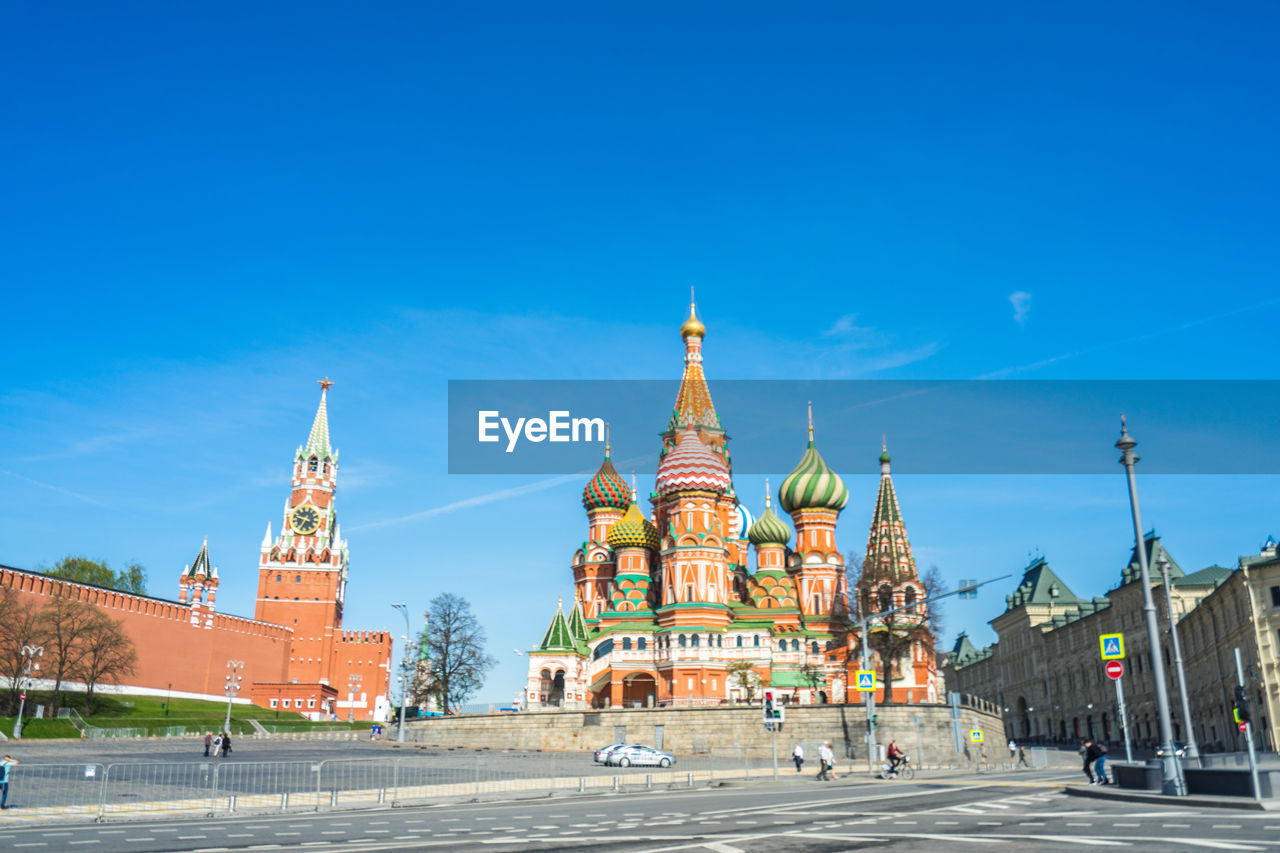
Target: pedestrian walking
(226, 744)
(208, 742)
(5, 763)
(1088, 755)
(797, 755)
(1022, 757)
(217, 746)
(1099, 753)
(827, 758)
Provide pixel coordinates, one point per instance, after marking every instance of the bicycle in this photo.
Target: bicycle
(903, 771)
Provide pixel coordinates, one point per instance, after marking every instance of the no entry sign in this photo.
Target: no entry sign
(1115, 669)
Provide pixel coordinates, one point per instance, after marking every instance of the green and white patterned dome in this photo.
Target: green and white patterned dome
(812, 485)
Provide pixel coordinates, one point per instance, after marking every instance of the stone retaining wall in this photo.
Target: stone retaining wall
(717, 730)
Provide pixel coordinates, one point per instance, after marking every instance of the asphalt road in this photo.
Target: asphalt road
(1014, 811)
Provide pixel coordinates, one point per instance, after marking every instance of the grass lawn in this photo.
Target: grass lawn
(111, 711)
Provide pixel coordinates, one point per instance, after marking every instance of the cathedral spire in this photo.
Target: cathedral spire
(318, 441)
(888, 548)
(693, 402)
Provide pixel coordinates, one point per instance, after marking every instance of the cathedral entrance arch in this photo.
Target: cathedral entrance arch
(555, 696)
(639, 691)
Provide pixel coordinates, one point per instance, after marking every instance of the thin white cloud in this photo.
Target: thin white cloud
(1021, 302)
(53, 488)
(1168, 330)
(468, 503)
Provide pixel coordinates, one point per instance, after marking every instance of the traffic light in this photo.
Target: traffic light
(773, 712)
(1242, 705)
(873, 721)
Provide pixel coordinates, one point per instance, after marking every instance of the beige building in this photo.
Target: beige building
(1046, 671)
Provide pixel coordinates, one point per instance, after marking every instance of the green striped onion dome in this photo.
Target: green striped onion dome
(633, 530)
(606, 489)
(812, 485)
(769, 529)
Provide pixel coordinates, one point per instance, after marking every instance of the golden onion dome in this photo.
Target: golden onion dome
(693, 326)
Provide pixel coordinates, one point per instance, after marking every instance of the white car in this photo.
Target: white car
(635, 755)
(602, 754)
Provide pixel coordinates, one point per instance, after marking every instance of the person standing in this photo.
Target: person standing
(226, 744)
(208, 742)
(826, 757)
(5, 763)
(797, 755)
(217, 746)
(1013, 750)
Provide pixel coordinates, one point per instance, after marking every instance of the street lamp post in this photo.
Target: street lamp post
(231, 688)
(1193, 752)
(404, 667)
(1171, 776)
(29, 655)
(353, 684)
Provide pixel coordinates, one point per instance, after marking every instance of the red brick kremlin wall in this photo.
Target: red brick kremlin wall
(170, 649)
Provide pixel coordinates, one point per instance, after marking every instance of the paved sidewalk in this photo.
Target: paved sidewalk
(1131, 795)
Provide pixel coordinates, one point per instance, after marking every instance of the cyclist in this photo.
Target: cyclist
(896, 756)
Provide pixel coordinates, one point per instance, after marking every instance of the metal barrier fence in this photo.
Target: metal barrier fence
(221, 786)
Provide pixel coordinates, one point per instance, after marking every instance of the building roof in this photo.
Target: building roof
(200, 567)
(606, 488)
(692, 465)
(1211, 576)
(812, 485)
(888, 554)
(318, 440)
(1155, 551)
(1041, 586)
(768, 528)
(559, 636)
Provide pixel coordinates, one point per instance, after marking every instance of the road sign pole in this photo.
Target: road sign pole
(774, 729)
(1124, 719)
(1248, 732)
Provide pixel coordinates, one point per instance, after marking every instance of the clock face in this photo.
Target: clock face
(305, 520)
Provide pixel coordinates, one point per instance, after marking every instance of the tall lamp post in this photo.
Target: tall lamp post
(353, 684)
(1171, 776)
(29, 655)
(405, 665)
(231, 688)
(1193, 752)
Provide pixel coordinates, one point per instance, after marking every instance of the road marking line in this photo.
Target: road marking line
(1217, 845)
(1091, 842)
(1226, 826)
(990, 823)
(39, 844)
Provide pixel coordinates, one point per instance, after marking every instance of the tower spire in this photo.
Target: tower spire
(606, 439)
(318, 441)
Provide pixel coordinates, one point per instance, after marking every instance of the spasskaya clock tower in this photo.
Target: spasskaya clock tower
(302, 583)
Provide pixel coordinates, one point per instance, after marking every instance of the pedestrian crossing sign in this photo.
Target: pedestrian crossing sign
(975, 735)
(1112, 646)
(866, 680)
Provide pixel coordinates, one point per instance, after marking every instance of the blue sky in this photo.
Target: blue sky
(207, 208)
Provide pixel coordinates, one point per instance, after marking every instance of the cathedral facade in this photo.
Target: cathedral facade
(699, 602)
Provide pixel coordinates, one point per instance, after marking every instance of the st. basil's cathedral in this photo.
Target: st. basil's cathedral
(669, 610)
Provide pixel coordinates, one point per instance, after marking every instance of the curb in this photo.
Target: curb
(1150, 797)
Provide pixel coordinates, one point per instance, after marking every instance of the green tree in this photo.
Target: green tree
(133, 578)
